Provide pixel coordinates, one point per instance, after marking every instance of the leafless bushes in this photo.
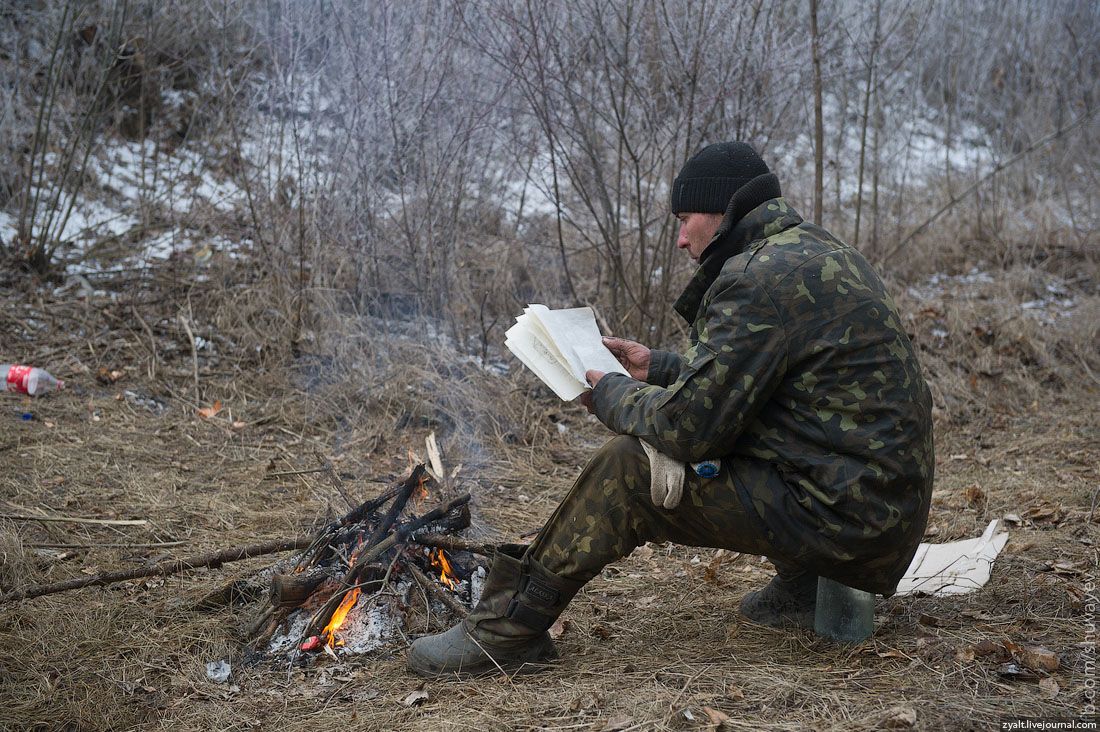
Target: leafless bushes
(453, 161)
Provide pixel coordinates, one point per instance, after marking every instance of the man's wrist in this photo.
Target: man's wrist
(605, 397)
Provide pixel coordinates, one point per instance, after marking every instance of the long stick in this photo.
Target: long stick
(171, 566)
(454, 544)
(76, 520)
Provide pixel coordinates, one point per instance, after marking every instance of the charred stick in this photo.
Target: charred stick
(171, 566)
(440, 594)
(455, 544)
(366, 508)
(359, 513)
(398, 505)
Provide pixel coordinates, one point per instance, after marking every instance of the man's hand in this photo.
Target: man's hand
(592, 376)
(633, 356)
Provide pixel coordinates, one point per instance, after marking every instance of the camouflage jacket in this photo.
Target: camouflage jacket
(800, 374)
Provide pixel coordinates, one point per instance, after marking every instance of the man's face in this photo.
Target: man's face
(696, 231)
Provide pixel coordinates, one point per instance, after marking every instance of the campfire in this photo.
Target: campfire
(361, 579)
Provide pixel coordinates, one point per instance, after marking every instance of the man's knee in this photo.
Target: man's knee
(621, 465)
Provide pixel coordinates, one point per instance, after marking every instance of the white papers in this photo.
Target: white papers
(953, 568)
(559, 346)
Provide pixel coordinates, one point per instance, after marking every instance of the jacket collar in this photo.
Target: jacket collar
(737, 230)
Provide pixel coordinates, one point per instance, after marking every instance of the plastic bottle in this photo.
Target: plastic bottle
(29, 379)
(707, 468)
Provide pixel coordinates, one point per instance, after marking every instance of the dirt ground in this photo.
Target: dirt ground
(655, 643)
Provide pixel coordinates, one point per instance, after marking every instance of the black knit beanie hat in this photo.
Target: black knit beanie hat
(709, 179)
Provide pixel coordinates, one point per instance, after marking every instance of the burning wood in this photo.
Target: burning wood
(352, 587)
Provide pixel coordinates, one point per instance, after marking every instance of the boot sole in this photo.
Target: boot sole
(786, 620)
(534, 660)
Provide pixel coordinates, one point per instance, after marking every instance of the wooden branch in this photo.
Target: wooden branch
(398, 505)
(455, 544)
(324, 536)
(150, 545)
(76, 520)
(171, 566)
(437, 590)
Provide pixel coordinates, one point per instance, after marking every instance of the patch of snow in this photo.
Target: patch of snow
(7, 228)
(939, 284)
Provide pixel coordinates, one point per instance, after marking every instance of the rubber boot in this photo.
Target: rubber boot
(789, 600)
(507, 630)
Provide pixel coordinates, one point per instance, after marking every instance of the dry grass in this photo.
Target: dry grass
(650, 641)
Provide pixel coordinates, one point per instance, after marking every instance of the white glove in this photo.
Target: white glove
(666, 478)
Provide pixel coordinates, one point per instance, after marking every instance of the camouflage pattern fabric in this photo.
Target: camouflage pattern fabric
(608, 512)
(800, 370)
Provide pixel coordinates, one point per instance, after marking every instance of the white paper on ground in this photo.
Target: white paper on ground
(953, 568)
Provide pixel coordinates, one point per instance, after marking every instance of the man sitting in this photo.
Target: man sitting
(799, 381)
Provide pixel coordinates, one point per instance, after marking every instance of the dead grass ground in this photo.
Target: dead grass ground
(651, 643)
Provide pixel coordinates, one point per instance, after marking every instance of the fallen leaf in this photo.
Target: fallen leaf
(988, 648)
(239, 425)
(715, 716)
(710, 574)
(416, 697)
(108, 376)
(966, 655)
(974, 495)
(930, 620)
(1049, 687)
(1037, 658)
(644, 552)
(1012, 518)
(208, 412)
(601, 631)
(1043, 512)
(617, 723)
(735, 692)
(900, 717)
(892, 653)
(558, 628)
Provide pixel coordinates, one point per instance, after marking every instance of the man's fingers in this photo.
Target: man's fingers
(615, 345)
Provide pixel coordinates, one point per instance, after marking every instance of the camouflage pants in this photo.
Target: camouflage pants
(608, 513)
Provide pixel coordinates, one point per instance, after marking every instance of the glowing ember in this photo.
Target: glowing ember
(446, 572)
(337, 620)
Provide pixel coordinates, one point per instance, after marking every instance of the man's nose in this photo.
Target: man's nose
(681, 239)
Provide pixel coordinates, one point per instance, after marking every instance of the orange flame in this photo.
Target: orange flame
(421, 491)
(446, 571)
(338, 617)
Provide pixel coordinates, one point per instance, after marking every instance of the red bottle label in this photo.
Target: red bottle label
(17, 378)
